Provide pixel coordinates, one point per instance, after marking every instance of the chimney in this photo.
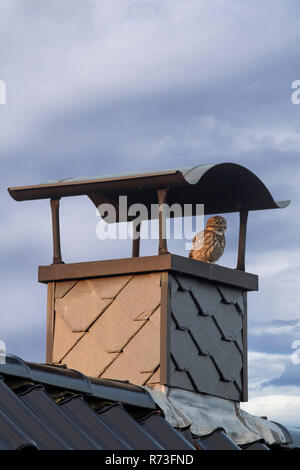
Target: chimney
(163, 319)
(160, 319)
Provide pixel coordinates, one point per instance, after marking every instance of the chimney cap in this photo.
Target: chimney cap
(223, 187)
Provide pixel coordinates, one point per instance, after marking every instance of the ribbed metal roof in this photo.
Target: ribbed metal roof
(73, 380)
(224, 187)
(42, 407)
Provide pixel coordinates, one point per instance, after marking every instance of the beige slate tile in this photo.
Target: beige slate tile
(85, 302)
(88, 357)
(140, 357)
(155, 318)
(64, 338)
(118, 324)
(124, 368)
(155, 378)
(143, 316)
(63, 287)
(144, 348)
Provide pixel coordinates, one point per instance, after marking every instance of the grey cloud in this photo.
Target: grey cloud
(289, 377)
(273, 337)
(115, 88)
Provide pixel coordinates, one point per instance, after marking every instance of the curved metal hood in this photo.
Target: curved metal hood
(223, 187)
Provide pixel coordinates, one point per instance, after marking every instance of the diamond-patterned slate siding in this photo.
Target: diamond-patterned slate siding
(109, 327)
(206, 342)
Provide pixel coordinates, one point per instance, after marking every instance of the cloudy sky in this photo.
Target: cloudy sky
(97, 88)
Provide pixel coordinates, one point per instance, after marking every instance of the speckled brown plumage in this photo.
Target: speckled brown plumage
(208, 245)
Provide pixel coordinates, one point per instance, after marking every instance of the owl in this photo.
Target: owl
(209, 244)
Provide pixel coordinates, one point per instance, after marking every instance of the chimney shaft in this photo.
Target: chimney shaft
(153, 320)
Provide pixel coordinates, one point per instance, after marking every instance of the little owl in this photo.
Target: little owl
(209, 244)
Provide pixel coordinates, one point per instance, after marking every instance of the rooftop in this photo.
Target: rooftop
(49, 407)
